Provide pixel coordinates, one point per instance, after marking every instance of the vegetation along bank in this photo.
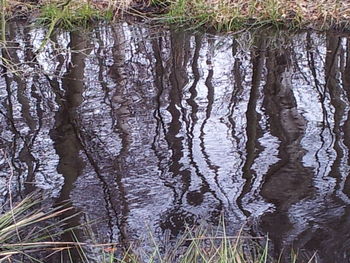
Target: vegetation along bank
(221, 15)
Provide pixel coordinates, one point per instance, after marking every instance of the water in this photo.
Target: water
(152, 129)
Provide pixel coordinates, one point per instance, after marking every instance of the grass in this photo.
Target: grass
(25, 227)
(29, 233)
(221, 15)
(72, 15)
(232, 15)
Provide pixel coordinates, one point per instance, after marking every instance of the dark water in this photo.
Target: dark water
(150, 130)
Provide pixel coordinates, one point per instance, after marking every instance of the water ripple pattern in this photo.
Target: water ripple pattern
(141, 129)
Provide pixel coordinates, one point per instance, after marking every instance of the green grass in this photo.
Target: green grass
(71, 17)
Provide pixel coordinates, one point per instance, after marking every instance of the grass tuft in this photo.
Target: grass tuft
(71, 17)
(28, 234)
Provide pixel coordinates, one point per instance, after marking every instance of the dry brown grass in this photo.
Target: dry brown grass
(230, 14)
(321, 11)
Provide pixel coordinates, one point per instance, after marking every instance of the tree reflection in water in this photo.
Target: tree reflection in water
(153, 129)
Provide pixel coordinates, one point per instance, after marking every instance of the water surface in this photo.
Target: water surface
(155, 129)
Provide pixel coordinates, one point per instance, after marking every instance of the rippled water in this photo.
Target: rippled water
(151, 129)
